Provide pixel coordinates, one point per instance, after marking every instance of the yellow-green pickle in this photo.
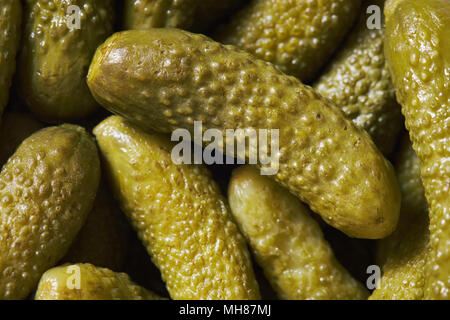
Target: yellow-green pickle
(418, 53)
(298, 36)
(358, 81)
(84, 281)
(195, 15)
(10, 24)
(47, 188)
(286, 241)
(402, 255)
(164, 79)
(224, 150)
(103, 238)
(179, 214)
(58, 44)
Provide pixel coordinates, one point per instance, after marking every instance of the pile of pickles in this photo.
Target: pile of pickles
(94, 207)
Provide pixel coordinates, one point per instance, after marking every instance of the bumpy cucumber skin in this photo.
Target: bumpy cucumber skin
(10, 24)
(194, 15)
(298, 36)
(359, 82)
(163, 79)
(287, 242)
(403, 254)
(179, 214)
(54, 59)
(104, 237)
(47, 189)
(15, 127)
(418, 54)
(96, 283)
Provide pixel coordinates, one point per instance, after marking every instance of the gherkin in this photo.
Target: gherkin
(402, 255)
(47, 189)
(10, 24)
(287, 242)
(298, 36)
(164, 79)
(84, 281)
(358, 81)
(418, 55)
(179, 214)
(56, 54)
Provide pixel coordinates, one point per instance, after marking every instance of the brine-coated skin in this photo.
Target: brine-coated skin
(194, 15)
(179, 214)
(104, 237)
(15, 127)
(164, 79)
(358, 81)
(96, 283)
(10, 24)
(287, 242)
(55, 58)
(403, 254)
(418, 53)
(46, 189)
(298, 36)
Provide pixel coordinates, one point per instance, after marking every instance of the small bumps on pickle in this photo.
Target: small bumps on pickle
(417, 49)
(298, 36)
(358, 81)
(10, 24)
(403, 254)
(193, 15)
(164, 79)
(84, 281)
(179, 214)
(104, 237)
(47, 188)
(338, 91)
(55, 56)
(287, 242)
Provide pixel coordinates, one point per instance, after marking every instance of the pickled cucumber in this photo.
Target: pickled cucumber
(298, 36)
(164, 79)
(403, 254)
(418, 54)
(286, 241)
(56, 54)
(179, 215)
(93, 283)
(47, 188)
(10, 24)
(358, 81)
